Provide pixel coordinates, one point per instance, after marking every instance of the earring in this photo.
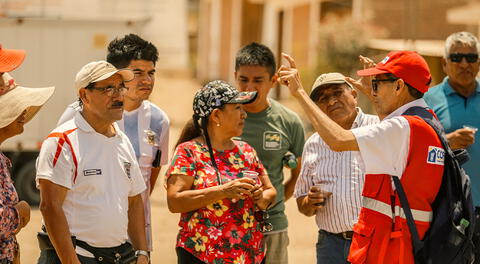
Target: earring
(218, 124)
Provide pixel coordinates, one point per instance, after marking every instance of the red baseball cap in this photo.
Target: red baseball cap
(408, 65)
(10, 59)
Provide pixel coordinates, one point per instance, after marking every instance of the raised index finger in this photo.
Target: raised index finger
(290, 60)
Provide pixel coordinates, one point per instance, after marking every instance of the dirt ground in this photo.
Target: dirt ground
(174, 95)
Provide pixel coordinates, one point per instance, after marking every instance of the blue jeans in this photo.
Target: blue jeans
(332, 249)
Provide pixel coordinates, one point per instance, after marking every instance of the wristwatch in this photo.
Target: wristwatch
(144, 253)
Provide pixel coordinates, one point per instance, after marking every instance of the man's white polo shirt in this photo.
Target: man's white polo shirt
(100, 173)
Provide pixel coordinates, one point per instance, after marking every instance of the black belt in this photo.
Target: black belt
(347, 235)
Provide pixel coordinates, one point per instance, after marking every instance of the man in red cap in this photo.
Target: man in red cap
(400, 145)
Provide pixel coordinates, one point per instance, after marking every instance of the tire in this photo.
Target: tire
(25, 184)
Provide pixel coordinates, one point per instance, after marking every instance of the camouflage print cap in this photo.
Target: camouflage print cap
(217, 93)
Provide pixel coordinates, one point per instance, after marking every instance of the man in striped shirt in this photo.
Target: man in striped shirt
(330, 182)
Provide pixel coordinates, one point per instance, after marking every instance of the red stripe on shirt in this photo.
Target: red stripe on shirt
(62, 138)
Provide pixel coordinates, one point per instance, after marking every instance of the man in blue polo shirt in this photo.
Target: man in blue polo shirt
(456, 101)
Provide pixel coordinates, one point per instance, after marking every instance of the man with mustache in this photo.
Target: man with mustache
(144, 123)
(456, 101)
(89, 179)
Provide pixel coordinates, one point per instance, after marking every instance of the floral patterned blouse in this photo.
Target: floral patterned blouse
(10, 221)
(224, 231)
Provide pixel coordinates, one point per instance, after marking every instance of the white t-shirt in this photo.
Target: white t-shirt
(147, 128)
(96, 204)
(384, 146)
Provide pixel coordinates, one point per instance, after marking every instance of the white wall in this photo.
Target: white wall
(61, 36)
(56, 50)
(166, 26)
(168, 30)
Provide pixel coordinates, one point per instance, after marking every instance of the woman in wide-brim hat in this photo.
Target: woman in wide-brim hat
(18, 105)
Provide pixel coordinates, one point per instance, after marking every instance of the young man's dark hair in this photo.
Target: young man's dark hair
(256, 54)
(131, 47)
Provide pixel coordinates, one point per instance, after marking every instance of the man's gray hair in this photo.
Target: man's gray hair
(464, 38)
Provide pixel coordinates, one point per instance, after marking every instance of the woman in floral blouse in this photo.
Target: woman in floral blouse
(206, 183)
(18, 106)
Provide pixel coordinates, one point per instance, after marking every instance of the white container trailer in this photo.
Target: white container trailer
(56, 50)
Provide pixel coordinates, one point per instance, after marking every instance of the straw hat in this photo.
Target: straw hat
(15, 99)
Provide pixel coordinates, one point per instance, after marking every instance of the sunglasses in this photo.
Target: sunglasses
(376, 81)
(458, 57)
(262, 216)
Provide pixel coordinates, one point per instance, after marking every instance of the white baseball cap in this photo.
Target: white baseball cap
(96, 71)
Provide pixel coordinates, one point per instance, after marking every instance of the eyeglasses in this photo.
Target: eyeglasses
(262, 216)
(376, 81)
(458, 57)
(110, 90)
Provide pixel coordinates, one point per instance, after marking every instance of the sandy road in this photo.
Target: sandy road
(174, 96)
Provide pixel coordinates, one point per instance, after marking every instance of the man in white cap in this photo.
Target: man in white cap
(330, 183)
(89, 179)
(19, 105)
(145, 124)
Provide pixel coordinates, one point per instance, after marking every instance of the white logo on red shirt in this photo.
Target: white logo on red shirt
(436, 155)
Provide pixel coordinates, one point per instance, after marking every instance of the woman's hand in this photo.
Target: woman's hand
(238, 188)
(181, 198)
(257, 192)
(263, 194)
(260, 201)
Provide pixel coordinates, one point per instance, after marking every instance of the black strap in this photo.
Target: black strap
(212, 157)
(156, 160)
(203, 127)
(417, 243)
(118, 255)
